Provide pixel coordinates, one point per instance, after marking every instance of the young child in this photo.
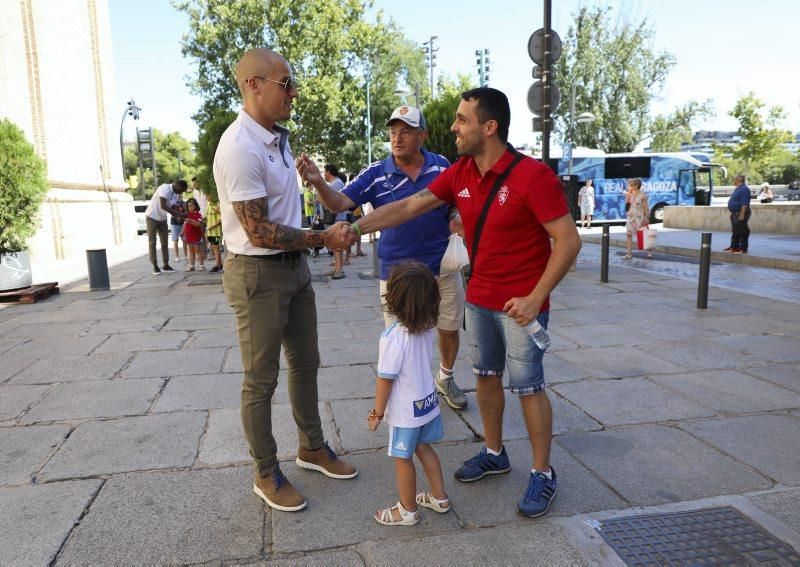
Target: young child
(193, 233)
(214, 232)
(405, 394)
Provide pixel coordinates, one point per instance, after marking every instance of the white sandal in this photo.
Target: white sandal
(428, 500)
(407, 518)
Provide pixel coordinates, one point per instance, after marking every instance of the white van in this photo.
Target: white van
(141, 222)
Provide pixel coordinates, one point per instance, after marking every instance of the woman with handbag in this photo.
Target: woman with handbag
(638, 213)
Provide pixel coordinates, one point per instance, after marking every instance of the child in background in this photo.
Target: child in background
(405, 394)
(176, 229)
(310, 203)
(193, 233)
(214, 232)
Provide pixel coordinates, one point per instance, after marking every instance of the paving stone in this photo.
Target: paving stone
(335, 383)
(731, 391)
(618, 362)
(128, 325)
(159, 518)
(516, 544)
(14, 399)
(95, 398)
(768, 443)
(493, 500)
(651, 464)
(769, 347)
(127, 444)
(179, 309)
(76, 345)
(194, 322)
(347, 558)
(785, 506)
(36, 519)
(201, 392)
(175, 363)
(352, 503)
(347, 315)
(786, 375)
(224, 442)
(73, 368)
(152, 340)
(557, 370)
(339, 352)
(350, 417)
(752, 325)
(628, 401)
(209, 338)
(284, 429)
(51, 330)
(11, 364)
(334, 330)
(699, 355)
(671, 330)
(599, 336)
(23, 450)
(8, 344)
(370, 330)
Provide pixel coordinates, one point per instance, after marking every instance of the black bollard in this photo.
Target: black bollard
(604, 255)
(376, 263)
(98, 270)
(705, 269)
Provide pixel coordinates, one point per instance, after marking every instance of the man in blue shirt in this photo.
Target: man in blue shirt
(410, 169)
(739, 206)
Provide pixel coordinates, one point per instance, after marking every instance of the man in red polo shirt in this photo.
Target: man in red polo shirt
(514, 271)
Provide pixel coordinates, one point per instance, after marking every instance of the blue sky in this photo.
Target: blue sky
(724, 48)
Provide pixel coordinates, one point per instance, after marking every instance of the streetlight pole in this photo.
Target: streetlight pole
(130, 110)
(430, 50)
(369, 125)
(583, 117)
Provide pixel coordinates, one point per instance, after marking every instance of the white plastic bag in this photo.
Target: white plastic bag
(455, 257)
(646, 238)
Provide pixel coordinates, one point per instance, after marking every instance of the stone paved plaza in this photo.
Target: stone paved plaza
(120, 439)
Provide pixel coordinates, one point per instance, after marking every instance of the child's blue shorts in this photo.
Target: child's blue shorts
(403, 440)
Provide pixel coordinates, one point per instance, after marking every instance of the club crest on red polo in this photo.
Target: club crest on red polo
(502, 195)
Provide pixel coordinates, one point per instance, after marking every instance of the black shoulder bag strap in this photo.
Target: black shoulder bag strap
(495, 188)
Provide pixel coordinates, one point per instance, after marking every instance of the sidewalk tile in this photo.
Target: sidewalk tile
(14, 399)
(618, 362)
(629, 401)
(698, 355)
(195, 322)
(72, 368)
(786, 375)
(209, 338)
(347, 558)
(201, 392)
(768, 347)
(158, 518)
(164, 363)
(95, 398)
(28, 540)
(347, 315)
(592, 336)
(731, 391)
(59, 331)
(128, 325)
(654, 464)
(23, 450)
(557, 370)
(151, 340)
(785, 506)
(127, 444)
(352, 504)
(11, 365)
(224, 442)
(768, 443)
(54, 347)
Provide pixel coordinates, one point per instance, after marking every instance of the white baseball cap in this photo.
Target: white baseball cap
(408, 114)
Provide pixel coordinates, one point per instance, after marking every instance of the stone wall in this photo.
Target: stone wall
(778, 218)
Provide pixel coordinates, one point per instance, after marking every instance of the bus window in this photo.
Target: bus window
(627, 167)
(686, 182)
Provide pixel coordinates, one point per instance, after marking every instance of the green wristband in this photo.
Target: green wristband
(357, 229)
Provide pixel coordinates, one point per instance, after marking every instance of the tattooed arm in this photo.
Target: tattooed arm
(262, 233)
(399, 212)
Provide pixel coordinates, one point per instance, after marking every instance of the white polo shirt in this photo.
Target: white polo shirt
(406, 359)
(251, 163)
(154, 210)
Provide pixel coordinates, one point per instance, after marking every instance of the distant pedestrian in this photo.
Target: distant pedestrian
(405, 393)
(193, 233)
(213, 223)
(176, 229)
(202, 201)
(335, 183)
(309, 204)
(586, 203)
(765, 196)
(638, 214)
(156, 216)
(739, 207)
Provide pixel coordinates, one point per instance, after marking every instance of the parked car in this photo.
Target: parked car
(139, 208)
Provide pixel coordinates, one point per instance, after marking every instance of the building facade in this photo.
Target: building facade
(57, 85)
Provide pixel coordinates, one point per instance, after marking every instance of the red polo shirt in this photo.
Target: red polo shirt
(514, 247)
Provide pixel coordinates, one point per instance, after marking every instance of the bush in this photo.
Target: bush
(208, 140)
(23, 185)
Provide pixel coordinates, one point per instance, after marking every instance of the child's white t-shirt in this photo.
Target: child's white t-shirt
(406, 359)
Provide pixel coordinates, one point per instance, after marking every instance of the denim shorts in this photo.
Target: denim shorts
(403, 441)
(498, 342)
(175, 231)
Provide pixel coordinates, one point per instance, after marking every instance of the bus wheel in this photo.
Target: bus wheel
(657, 213)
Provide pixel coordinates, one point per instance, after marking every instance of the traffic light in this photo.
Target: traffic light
(482, 61)
(543, 95)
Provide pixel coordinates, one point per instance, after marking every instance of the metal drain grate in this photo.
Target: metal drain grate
(715, 536)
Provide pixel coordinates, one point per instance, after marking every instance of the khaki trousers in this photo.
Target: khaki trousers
(274, 305)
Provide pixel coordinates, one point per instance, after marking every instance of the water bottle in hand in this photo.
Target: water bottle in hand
(538, 334)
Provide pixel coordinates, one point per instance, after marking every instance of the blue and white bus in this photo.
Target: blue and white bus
(674, 179)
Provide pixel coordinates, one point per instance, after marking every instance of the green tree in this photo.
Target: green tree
(674, 129)
(331, 48)
(23, 185)
(615, 70)
(761, 136)
(211, 131)
(440, 114)
(174, 160)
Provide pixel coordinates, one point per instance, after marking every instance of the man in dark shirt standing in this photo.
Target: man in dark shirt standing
(739, 206)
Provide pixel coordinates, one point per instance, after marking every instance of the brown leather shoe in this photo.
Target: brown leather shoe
(325, 461)
(278, 492)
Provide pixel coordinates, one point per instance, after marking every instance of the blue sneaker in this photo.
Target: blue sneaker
(539, 495)
(482, 464)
